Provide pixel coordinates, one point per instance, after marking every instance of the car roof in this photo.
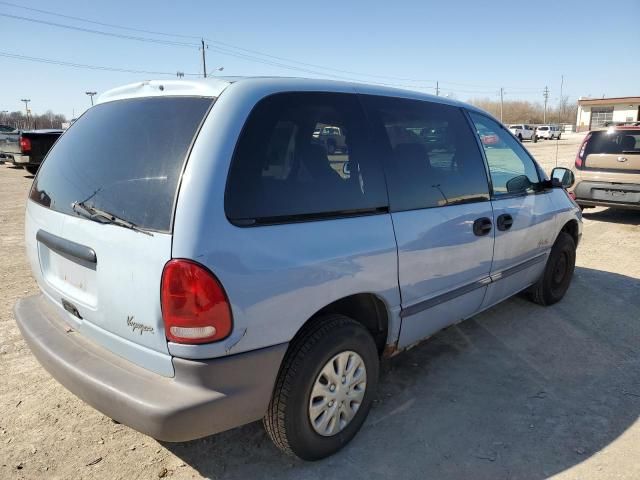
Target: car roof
(214, 86)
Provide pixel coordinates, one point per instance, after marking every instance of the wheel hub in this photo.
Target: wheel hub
(337, 393)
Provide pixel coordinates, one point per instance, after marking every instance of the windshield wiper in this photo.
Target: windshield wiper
(102, 216)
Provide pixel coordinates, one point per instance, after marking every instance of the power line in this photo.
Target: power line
(111, 25)
(90, 67)
(241, 49)
(101, 32)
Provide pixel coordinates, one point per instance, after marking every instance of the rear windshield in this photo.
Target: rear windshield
(123, 157)
(614, 141)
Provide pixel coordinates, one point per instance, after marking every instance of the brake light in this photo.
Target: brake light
(25, 145)
(195, 308)
(580, 155)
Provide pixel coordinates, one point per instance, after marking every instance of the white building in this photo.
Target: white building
(594, 112)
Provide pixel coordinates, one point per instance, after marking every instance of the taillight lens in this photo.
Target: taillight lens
(581, 150)
(195, 308)
(25, 145)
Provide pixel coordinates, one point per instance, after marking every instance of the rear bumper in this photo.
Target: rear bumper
(15, 158)
(204, 397)
(608, 194)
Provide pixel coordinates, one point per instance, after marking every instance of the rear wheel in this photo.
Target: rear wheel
(558, 272)
(324, 389)
(520, 137)
(32, 169)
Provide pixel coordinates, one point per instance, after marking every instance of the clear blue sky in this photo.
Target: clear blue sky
(473, 48)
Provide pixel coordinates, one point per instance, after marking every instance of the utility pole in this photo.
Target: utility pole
(545, 94)
(561, 108)
(437, 89)
(26, 109)
(501, 102)
(91, 94)
(204, 59)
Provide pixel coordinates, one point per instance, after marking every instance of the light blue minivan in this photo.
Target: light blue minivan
(215, 252)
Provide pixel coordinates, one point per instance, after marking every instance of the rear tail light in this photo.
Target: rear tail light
(195, 308)
(25, 145)
(580, 155)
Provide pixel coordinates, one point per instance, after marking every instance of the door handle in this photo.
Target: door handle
(505, 222)
(482, 226)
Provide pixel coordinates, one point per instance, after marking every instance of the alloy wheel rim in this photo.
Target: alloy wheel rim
(337, 393)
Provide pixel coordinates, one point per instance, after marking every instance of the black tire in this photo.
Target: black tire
(556, 278)
(520, 137)
(287, 420)
(559, 136)
(32, 169)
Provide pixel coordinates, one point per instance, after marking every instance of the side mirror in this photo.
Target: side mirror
(562, 177)
(518, 184)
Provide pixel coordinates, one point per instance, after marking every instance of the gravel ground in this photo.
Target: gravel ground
(520, 391)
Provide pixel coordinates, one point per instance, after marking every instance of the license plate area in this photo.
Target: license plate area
(71, 277)
(616, 195)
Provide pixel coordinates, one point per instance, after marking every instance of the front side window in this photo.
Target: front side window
(303, 155)
(432, 158)
(512, 170)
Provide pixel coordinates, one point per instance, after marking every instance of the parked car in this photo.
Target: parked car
(8, 142)
(524, 132)
(332, 138)
(607, 168)
(27, 149)
(210, 268)
(548, 132)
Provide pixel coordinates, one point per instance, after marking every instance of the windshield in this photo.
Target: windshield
(123, 157)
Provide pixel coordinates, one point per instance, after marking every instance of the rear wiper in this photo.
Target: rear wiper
(102, 216)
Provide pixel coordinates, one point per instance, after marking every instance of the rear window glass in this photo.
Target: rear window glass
(614, 142)
(123, 157)
(304, 156)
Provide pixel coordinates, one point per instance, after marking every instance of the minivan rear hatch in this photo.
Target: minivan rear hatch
(99, 220)
(614, 149)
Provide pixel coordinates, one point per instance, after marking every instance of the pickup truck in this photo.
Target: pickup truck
(332, 138)
(524, 132)
(28, 149)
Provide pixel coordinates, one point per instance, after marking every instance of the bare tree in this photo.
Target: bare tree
(519, 111)
(20, 121)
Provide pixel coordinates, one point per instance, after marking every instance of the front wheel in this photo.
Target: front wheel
(324, 389)
(32, 169)
(558, 272)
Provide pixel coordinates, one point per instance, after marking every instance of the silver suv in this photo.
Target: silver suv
(205, 262)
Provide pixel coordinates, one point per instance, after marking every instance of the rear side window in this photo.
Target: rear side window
(432, 157)
(303, 156)
(614, 142)
(123, 157)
